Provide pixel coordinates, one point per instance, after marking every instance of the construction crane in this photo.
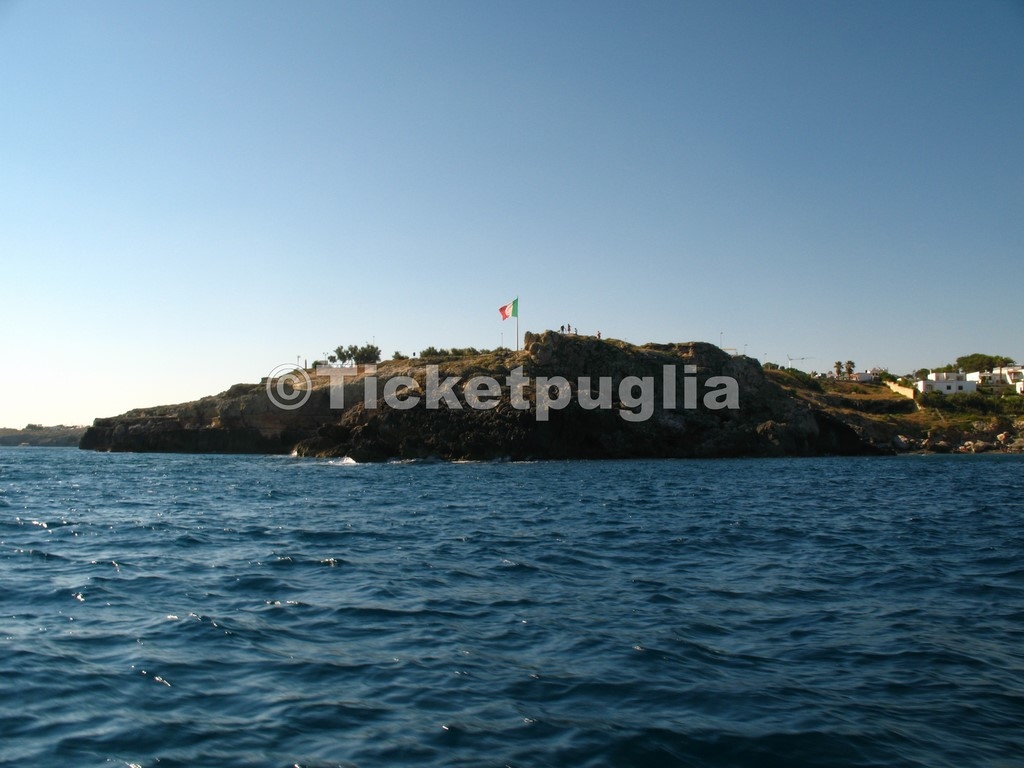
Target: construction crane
(796, 359)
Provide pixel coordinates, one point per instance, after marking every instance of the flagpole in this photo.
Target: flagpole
(517, 323)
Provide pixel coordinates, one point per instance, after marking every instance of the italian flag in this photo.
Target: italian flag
(510, 310)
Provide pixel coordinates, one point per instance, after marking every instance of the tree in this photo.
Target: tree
(839, 368)
(980, 362)
(922, 373)
(850, 366)
(364, 355)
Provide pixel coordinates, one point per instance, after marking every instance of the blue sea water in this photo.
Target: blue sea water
(167, 610)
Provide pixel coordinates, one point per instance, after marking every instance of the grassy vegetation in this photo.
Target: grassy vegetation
(794, 379)
(974, 403)
(454, 353)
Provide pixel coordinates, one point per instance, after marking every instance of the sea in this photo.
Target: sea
(183, 610)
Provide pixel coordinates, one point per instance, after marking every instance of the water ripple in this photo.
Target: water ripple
(184, 610)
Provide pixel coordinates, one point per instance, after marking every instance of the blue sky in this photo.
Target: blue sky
(192, 193)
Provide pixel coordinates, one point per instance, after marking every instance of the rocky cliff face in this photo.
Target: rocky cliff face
(679, 403)
(241, 420)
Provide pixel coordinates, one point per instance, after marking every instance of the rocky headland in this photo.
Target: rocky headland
(679, 405)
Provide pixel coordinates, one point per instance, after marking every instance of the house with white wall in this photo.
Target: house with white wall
(999, 379)
(947, 382)
(1010, 376)
(982, 378)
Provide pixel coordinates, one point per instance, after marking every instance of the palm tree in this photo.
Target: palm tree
(849, 368)
(839, 368)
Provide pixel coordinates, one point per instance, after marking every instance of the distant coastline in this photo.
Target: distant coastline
(58, 436)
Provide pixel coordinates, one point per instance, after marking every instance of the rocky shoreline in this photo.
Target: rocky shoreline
(982, 440)
(773, 417)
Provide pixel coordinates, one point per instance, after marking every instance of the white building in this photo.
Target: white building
(1011, 376)
(947, 382)
(1000, 378)
(982, 378)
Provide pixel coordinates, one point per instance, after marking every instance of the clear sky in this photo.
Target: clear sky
(192, 193)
